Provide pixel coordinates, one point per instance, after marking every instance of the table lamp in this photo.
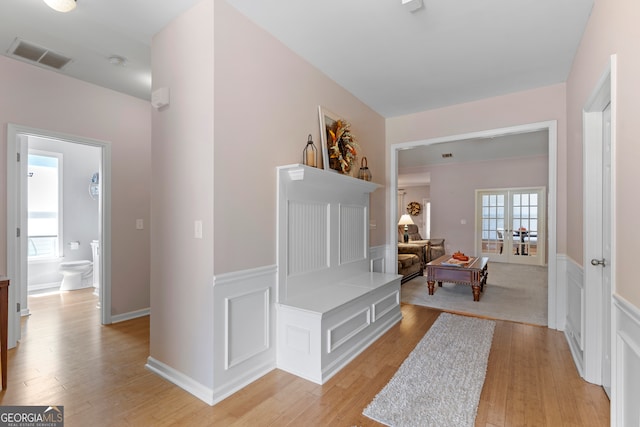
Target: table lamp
(405, 220)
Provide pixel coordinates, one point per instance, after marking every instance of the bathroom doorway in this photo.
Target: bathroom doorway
(66, 222)
(63, 197)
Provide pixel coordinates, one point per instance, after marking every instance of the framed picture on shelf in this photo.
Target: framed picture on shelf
(327, 122)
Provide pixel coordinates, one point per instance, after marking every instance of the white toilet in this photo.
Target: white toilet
(76, 275)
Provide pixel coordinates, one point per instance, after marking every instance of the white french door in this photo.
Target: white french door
(510, 225)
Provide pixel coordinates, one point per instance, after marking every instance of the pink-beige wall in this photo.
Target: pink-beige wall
(453, 194)
(612, 29)
(181, 329)
(46, 100)
(532, 106)
(266, 103)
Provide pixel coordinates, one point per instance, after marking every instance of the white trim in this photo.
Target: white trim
(117, 318)
(377, 257)
(181, 380)
(14, 131)
(233, 277)
(555, 311)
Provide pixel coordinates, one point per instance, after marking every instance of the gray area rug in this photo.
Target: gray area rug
(513, 292)
(440, 382)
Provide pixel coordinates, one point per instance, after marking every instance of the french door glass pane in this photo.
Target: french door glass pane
(493, 210)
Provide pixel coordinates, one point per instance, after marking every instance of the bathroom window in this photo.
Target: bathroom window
(45, 201)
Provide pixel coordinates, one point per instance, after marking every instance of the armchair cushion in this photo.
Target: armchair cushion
(421, 249)
(409, 266)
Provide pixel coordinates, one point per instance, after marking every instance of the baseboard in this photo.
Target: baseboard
(131, 315)
(181, 380)
(43, 286)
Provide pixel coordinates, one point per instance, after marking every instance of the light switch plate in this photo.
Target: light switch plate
(139, 224)
(197, 229)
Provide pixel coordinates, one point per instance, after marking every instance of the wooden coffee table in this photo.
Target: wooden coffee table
(473, 273)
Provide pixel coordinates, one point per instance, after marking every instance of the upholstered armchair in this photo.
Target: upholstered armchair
(417, 247)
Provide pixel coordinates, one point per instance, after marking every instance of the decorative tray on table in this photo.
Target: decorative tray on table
(458, 260)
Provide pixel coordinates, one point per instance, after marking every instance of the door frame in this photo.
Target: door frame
(16, 262)
(592, 314)
(556, 303)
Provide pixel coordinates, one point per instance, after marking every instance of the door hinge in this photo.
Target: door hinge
(17, 157)
(18, 232)
(18, 307)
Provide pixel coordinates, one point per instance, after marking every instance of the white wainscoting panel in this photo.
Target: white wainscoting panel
(244, 328)
(625, 391)
(308, 236)
(377, 256)
(574, 328)
(246, 336)
(557, 301)
(353, 233)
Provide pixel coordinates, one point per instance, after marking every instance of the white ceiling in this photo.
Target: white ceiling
(90, 34)
(448, 52)
(395, 61)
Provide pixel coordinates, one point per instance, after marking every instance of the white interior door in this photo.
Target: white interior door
(606, 250)
(511, 225)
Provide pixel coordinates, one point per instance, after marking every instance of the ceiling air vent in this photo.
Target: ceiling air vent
(37, 54)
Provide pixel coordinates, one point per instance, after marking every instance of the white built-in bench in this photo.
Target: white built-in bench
(330, 307)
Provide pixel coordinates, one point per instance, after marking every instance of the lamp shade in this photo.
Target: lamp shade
(61, 5)
(405, 220)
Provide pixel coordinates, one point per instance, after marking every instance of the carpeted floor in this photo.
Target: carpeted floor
(513, 292)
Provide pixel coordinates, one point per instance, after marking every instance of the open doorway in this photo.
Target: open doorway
(70, 225)
(556, 309)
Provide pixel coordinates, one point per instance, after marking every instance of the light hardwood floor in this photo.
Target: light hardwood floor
(97, 372)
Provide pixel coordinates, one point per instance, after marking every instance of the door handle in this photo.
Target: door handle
(598, 262)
